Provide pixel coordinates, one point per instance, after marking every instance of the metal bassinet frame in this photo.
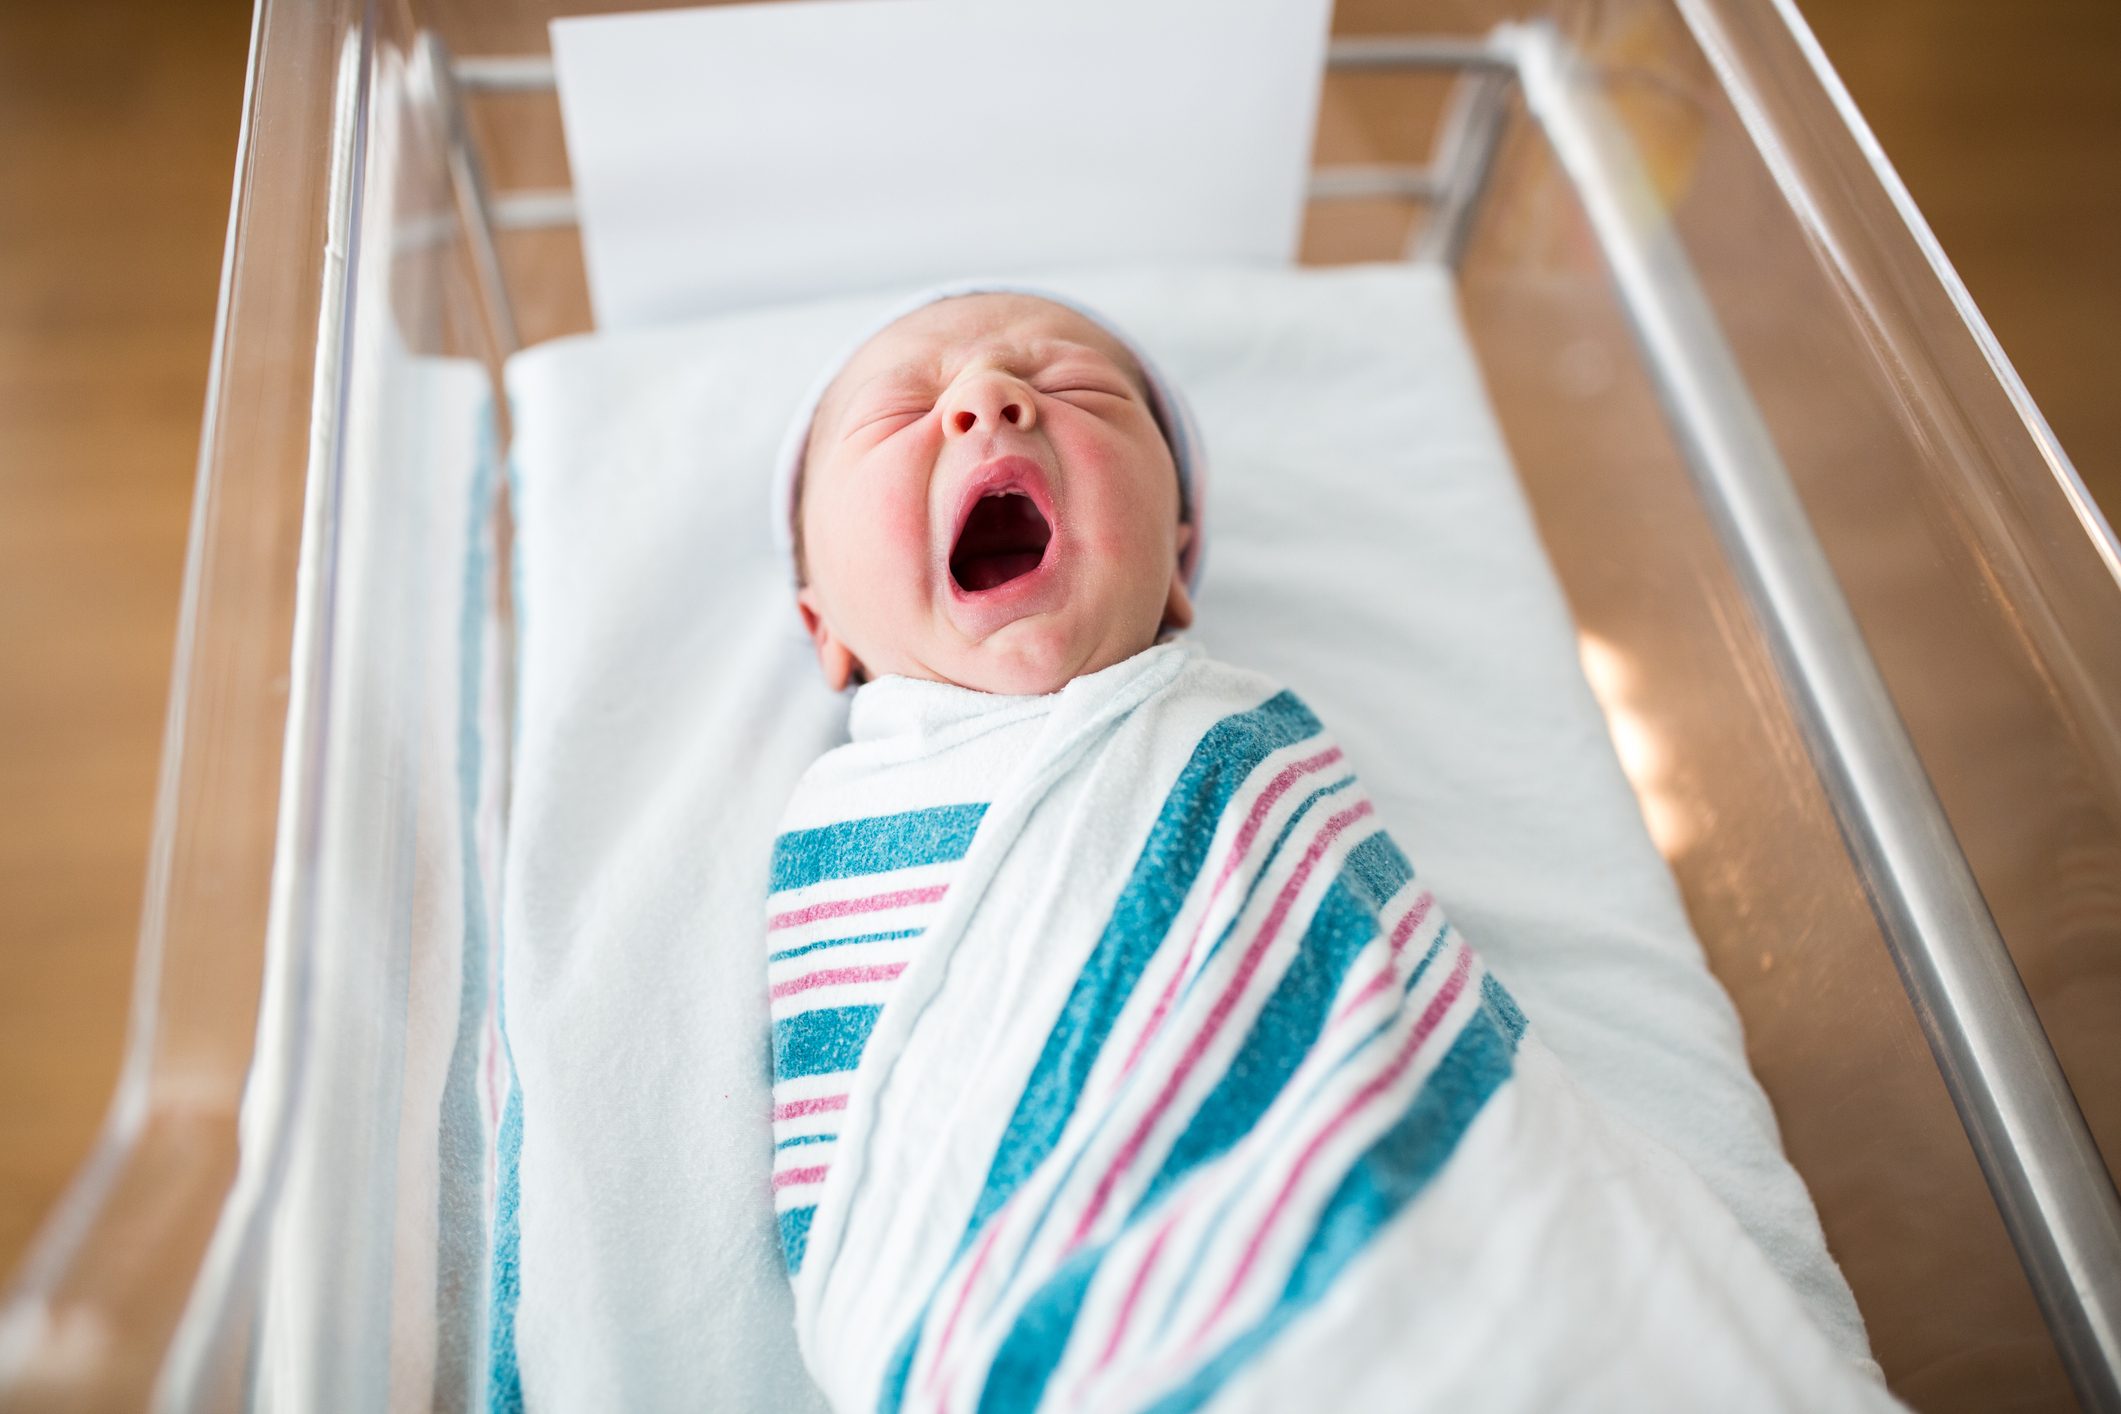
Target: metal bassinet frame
(2055, 1193)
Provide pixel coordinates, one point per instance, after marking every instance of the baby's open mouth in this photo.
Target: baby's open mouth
(1004, 537)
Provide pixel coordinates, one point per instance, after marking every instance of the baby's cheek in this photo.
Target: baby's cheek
(1132, 554)
(896, 585)
(1142, 510)
(878, 559)
(1134, 474)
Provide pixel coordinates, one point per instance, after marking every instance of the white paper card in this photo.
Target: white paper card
(750, 154)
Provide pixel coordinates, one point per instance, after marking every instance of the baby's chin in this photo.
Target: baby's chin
(1032, 658)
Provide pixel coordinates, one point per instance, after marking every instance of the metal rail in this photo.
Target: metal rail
(533, 73)
(1365, 182)
(505, 73)
(1452, 184)
(467, 177)
(1472, 134)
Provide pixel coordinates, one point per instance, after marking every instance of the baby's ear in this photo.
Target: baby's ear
(1178, 604)
(833, 656)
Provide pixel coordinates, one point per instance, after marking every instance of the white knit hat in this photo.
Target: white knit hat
(1165, 404)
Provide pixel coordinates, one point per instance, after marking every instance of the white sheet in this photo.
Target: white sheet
(1366, 521)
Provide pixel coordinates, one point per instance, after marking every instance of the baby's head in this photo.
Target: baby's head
(987, 496)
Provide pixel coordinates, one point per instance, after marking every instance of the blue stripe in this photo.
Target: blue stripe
(893, 1391)
(1421, 968)
(1497, 999)
(504, 1381)
(1257, 875)
(1284, 1033)
(875, 845)
(891, 937)
(803, 1139)
(1290, 1022)
(1376, 871)
(821, 1041)
(795, 1235)
(1318, 1085)
(1389, 1175)
(1163, 875)
(1022, 1366)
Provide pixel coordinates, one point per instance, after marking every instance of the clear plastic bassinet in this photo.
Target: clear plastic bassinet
(1854, 622)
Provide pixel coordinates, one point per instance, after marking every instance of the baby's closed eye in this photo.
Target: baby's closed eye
(1075, 378)
(1072, 387)
(887, 408)
(897, 415)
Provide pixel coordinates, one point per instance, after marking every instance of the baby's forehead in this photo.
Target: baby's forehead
(1012, 328)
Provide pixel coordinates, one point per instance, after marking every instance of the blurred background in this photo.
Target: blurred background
(118, 128)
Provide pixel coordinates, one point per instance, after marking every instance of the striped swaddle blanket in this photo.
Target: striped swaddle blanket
(863, 892)
(1123, 1062)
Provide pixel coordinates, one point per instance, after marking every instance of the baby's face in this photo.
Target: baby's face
(987, 501)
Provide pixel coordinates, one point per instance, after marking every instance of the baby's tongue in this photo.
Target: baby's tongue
(1004, 537)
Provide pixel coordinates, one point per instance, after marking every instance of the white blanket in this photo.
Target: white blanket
(668, 702)
(1114, 1037)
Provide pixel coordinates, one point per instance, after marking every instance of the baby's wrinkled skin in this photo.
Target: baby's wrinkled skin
(970, 398)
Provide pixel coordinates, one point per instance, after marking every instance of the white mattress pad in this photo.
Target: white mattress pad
(1369, 547)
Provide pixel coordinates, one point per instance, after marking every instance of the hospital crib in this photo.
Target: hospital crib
(1853, 620)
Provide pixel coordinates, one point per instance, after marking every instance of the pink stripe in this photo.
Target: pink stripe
(1369, 989)
(1431, 1017)
(789, 1178)
(1224, 1005)
(796, 1109)
(964, 1294)
(1134, 1291)
(831, 976)
(840, 908)
(493, 1068)
(1408, 922)
(1239, 848)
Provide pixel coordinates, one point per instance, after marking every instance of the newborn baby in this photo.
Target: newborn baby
(1122, 1061)
(987, 496)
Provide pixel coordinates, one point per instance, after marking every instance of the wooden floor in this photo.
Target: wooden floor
(2004, 120)
(119, 123)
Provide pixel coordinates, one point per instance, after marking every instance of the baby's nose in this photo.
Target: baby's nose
(987, 401)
